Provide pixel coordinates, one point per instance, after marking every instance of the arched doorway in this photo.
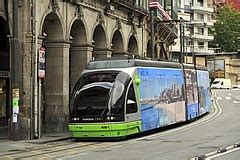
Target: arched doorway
(56, 86)
(100, 43)
(132, 46)
(117, 44)
(4, 78)
(80, 51)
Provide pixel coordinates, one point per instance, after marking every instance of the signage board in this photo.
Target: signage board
(41, 63)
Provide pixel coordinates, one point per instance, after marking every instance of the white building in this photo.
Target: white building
(197, 16)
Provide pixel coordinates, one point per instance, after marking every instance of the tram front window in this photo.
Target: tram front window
(99, 97)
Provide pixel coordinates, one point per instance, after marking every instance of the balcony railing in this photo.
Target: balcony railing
(204, 37)
(201, 8)
(202, 50)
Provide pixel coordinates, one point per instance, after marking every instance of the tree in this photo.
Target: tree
(226, 29)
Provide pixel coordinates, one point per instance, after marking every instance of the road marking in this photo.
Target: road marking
(219, 98)
(228, 98)
(235, 101)
(72, 156)
(118, 146)
(221, 154)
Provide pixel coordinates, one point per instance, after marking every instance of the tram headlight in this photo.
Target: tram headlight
(76, 119)
(110, 118)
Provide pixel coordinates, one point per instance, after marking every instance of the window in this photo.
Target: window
(131, 106)
(200, 3)
(187, 2)
(200, 17)
(200, 44)
(201, 31)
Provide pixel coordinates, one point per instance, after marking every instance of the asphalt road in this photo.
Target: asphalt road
(219, 129)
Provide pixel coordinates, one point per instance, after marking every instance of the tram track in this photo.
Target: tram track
(70, 148)
(44, 148)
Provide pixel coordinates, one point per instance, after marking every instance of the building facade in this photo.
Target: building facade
(46, 45)
(197, 18)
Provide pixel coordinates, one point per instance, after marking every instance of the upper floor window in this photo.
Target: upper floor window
(200, 44)
(201, 31)
(200, 3)
(200, 17)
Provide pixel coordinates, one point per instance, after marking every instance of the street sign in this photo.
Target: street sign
(15, 101)
(41, 63)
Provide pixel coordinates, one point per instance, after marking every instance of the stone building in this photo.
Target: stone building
(70, 33)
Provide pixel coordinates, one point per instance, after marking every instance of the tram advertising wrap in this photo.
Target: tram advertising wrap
(161, 97)
(118, 98)
(204, 92)
(191, 93)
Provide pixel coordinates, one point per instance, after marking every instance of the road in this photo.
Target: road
(213, 133)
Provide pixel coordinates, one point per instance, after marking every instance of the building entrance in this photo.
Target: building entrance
(4, 108)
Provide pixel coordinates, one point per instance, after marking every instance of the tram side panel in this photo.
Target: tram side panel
(191, 94)
(204, 91)
(161, 97)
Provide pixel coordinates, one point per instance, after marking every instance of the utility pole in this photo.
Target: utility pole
(181, 40)
(152, 32)
(15, 87)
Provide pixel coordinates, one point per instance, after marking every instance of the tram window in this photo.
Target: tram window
(131, 106)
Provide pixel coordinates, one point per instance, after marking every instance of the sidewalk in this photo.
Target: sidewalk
(8, 145)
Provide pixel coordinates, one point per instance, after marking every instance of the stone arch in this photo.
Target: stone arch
(56, 88)
(3, 15)
(4, 45)
(57, 16)
(133, 45)
(79, 51)
(78, 33)
(83, 23)
(99, 41)
(4, 83)
(117, 44)
(53, 26)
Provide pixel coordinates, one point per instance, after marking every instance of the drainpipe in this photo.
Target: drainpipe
(36, 104)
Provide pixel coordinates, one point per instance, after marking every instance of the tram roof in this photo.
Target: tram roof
(130, 62)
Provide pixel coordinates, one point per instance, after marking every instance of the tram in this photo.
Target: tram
(115, 98)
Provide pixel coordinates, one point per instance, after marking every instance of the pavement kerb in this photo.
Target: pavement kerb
(44, 141)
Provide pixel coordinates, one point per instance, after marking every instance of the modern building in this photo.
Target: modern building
(44, 46)
(197, 18)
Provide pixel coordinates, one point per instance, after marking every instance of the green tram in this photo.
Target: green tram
(115, 98)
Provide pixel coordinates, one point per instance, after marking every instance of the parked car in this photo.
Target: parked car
(221, 83)
(236, 86)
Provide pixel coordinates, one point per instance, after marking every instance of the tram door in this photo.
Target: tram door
(4, 109)
(132, 113)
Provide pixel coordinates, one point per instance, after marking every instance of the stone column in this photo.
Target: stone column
(80, 56)
(101, 53)
(57, 86)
